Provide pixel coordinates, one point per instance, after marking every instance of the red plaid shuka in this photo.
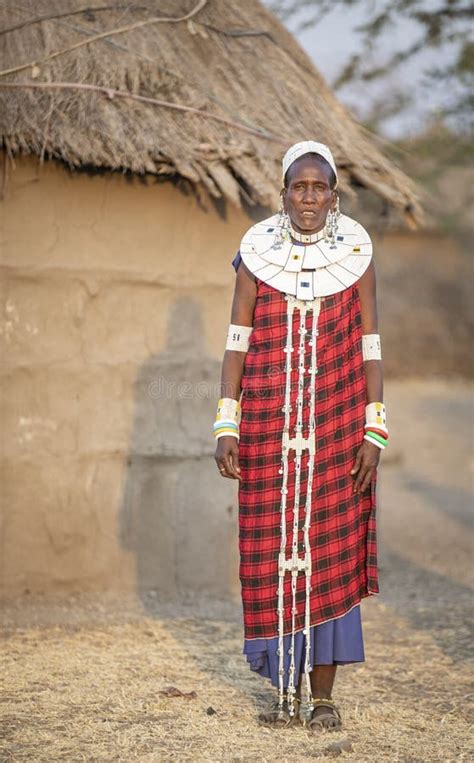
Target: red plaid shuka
(343, 530)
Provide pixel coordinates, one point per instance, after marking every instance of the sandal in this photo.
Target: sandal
(277, 718)
(319, 722)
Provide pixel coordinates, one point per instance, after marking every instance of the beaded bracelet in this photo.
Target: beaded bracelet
(225, 428)
(378, 430)
(375, 426)
(375, 415)
(376, 439)
(227, 418)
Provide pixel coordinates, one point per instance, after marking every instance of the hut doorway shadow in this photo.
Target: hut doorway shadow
(176, 516)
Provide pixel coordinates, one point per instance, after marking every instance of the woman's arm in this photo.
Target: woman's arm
(243, 305)
(368, 454)
(368, 312)
(241, 315)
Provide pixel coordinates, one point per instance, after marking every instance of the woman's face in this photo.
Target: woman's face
(308, 197)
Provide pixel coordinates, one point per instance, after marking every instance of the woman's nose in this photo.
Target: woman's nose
(309, 196)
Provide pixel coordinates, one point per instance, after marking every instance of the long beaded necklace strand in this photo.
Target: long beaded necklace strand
(296, 564)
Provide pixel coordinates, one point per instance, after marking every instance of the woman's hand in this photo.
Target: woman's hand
(366, 463)
(227, 457)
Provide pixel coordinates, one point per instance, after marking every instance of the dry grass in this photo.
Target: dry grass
(89, 690)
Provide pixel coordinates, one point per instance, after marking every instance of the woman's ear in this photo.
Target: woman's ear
(283, 198)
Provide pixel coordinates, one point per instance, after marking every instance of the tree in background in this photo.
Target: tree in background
(442, 25)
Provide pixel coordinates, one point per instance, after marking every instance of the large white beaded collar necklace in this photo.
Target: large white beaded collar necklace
(311, 269)
(306, 238)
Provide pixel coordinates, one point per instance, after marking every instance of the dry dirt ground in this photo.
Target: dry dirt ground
(86, 678)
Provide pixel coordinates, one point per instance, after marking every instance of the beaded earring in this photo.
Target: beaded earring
(331, 226)
(283, 231)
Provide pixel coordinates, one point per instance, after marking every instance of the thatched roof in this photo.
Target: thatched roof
(251, 89)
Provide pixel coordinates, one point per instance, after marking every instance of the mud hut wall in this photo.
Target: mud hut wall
(117, 299)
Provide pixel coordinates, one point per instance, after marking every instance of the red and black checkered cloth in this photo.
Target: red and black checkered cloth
(343, 529)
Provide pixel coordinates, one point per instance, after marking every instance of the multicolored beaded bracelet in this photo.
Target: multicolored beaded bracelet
(377, 430)
(375, 426)
(227, 418)
(376, 439)
(222, 428)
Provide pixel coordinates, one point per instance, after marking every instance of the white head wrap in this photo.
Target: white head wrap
(307, 147)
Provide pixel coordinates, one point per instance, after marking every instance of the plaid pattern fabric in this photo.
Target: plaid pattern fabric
(343, 530)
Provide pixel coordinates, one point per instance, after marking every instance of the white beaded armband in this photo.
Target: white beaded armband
(227, 418)
(376, 415)
(238, 337)
(371, 349)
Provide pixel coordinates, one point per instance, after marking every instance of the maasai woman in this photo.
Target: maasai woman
(301, 424)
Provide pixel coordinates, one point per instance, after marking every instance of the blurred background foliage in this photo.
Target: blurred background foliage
(406, 57)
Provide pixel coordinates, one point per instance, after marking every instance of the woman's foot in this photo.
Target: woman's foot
(325, 716)
(279, 718)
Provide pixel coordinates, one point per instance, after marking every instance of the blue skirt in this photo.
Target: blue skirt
(335, 642)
